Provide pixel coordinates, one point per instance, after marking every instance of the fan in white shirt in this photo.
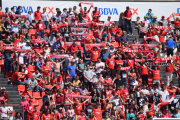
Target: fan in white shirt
(5, 111)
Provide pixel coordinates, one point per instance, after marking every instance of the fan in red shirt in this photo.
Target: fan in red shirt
(97, 111)
(60, 114)
(37, 14)
(119, 62)
(74, 48)
(87, 19)
(40, 27)
(85, 10)
(58, 82)
(169, 72)
(108, 80)
(78, 105)
(46, 72)
(161, 36)
(30, 109)
(96, 32)
(36, 113)
(95, 15)
(82, 116)
(156, 74)
(1, 12)
(144, 73)
(95, 53)
(110, 62)
(166, 114)
(26, 93)
(54, 26)
(176, 21)
(46, 115)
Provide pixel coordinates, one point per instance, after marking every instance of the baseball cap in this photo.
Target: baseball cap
(163, 16)
(72, 60)
(67, 77)
(155, 17)
(105, 48)
(60, 76)
(3, 88)
(145, 16)
(6, 8)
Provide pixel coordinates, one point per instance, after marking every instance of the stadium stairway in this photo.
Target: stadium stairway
(13, 93)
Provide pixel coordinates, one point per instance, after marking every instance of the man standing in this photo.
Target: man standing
(95, 15)
(37, 14)
(5, 110)
(88, 75)
(4, 94)
(29, 17)
(170, 46)
(149, 15)
(128, 23)
(72, 71)
(165, 22)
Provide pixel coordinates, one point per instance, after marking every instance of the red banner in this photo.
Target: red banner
(4, 15)
(79, 34)
(146, 45)
(86, 4)
(9, 47)
(62, 25)
(173, 14)
(79, 96)
(70, 43)
(162, 27)
(96, 45)
(59, 56)
(78, 29)
(39, 41)
(169, 58)
(21, 50)
(82, 24)
(19, 16)
(139, 60)
(124, 68)
(129, 50)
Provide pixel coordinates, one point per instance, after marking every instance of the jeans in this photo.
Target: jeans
(25, 25)
(34, 88)
(41, 32)
(163, 47)
(89, 86)
(7, 65)
(169, 77)
(56, 74)
(72, 78)
(46, 24)
(27, 60)
(128, 24)
(17, 82)
(170, 52)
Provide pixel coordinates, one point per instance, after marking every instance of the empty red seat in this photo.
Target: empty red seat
(36, 95)
(31, 68)
(34, 102)
(32, 31)
(21, 88)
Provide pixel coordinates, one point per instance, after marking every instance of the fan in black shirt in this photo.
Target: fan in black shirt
(118, 82)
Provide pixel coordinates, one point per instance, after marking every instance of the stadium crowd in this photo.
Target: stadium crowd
(73, 66)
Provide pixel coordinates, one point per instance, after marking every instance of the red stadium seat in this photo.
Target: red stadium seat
(38, 108)
(42, 94)
(21, 88)
(36, 95)
(34, 102)
(32, 31)
(48, 86)
(39, 101)
(47, 31)
(31, 68)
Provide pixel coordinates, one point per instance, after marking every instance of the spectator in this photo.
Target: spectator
(17, 116)
(34, 84)
(29, 17)
(45, 18)
(123, 38)
(24, 104)
(137, 24)
(12, 10)
(37, 14)
(104, 54)
(72, 71)
(7, 61)
(18, 11)
(177, 113)
(154, 21)
(165, 22)
(128, 23)
(95, 15)
(143, 29)
(146, 21)
(6, 10)
(46, 69)
(4, 109)
(88, 76)
(150, 15)
(170, 44)
(121, 21)
(4, 94)
(108, 20)
(40, 27)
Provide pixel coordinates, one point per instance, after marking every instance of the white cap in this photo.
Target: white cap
(3, 88)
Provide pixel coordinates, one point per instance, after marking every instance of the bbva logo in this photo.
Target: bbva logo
(108, 11)
(25, 9)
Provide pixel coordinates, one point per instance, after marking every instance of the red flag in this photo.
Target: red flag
(79, 96)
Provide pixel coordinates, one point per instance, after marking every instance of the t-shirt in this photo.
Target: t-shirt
(150, 19)
(97, 113)
(46, 73)
(177, 23)
(94, 13)
(37, 15)
(81, 66)
(110, 62)
(156, 74)
(162, 36)
(46, 117)
(100, 69)
(15, 76)
(144, 70)
(78, 108)
(95, 97)
(72, 70)
(95, 55)
(53, 24)
(4, 110)
(118, 82)
(88, 74)
(33, 83)
(25, 103)
(169, 68)
(117, 62)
